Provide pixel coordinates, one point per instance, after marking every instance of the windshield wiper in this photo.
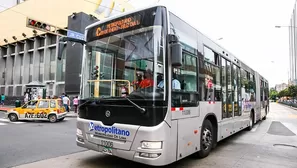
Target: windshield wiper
(135, 105)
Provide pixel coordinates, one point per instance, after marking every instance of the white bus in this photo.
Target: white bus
(155, 90)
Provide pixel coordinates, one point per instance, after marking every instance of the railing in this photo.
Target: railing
(289, 104)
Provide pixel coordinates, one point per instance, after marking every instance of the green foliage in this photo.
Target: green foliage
(273, 94)
(284, 93)
(292, 90)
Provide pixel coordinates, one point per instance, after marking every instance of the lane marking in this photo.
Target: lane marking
(292, 116)
(17, 122)
(3, 124)
(4, 120)
(291, 127)
(7, 121)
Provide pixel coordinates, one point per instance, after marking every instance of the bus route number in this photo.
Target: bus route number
(186, 112)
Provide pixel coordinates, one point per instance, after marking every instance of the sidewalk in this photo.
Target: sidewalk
(6, 108)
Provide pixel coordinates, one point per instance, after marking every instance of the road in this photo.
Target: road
(25, 142)
(266, 146)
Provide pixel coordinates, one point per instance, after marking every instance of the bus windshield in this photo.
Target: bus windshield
(125, 57)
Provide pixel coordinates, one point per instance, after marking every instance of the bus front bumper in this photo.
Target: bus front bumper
(149, 157)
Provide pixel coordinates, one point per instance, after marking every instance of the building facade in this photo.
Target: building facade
(280, 87)
(29, 60)
(28, 55)
(9, 3)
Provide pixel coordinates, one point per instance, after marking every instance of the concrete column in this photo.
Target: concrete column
(2, 67)
(9, 67)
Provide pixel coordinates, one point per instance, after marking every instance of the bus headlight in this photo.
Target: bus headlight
(78, 132)
(151, 145)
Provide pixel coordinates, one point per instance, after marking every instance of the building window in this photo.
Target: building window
(52, 76)
(10, 91)
(31, 57)
(52, 54)
(22, 59)
(41, 77)
(30, 78)
(41, 53)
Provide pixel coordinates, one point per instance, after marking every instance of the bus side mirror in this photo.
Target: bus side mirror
(61, 46)
(175, 50)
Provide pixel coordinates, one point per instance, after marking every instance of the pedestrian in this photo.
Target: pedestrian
(26, 98)
(2, 99)
(66, 102)
(75, 103)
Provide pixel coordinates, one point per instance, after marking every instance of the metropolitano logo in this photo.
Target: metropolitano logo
(91, 126)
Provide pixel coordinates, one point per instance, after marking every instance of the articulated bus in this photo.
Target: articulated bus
(155, 90)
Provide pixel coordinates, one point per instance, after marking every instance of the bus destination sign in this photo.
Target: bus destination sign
(117, 25)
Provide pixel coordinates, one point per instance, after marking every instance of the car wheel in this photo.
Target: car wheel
(52, 118)
(13, 117)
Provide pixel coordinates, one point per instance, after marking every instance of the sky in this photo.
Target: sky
(247, 28)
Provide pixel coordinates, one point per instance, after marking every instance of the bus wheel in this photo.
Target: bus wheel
(264, 118)
(52, 118)
(206, 141)
(13, 117)
(251, 121)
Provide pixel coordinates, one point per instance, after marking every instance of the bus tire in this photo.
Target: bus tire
(206, 139)
(251, 122)
(52, 118)
(13, 117)
(264, 118)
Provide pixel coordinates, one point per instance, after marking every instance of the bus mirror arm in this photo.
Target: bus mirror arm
(61, 45)
(175, 50)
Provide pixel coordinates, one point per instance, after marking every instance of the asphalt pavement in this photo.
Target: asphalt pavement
(272, 143)
(30, 141)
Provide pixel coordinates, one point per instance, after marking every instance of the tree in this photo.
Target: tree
(292, 90)
(273, 94)
(284, 93)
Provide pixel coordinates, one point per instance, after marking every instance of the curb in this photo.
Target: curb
(71, 116)
(291, 107)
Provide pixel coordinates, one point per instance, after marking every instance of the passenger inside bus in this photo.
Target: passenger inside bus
(148, 79)
(175, 83)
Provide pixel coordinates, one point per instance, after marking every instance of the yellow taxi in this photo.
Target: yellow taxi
(42, 109)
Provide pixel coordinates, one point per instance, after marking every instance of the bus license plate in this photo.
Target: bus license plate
(107, 144)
